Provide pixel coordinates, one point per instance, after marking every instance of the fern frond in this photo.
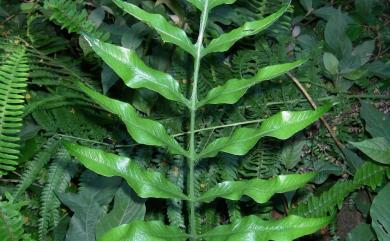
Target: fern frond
(67, 14)
(35, 166)
(11, 221)
(369, 174)
(245, 63)
(60, 172)
(229, 172)
(13, 77)
(175, 207)
(207, 217)
(262, 162)
(42, 35)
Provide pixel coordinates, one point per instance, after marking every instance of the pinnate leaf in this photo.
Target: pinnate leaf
(377, 149)
(260, 190)
(144, 231)
(168, 32)
(227, 40)
(253, 228)
(145, 183)
(134, 72)
(144, 131)
(281, 126)
(234, 89)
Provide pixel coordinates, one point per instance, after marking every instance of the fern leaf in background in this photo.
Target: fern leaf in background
(60, 173)
(67, 14)
(11, 221)
(13, 76)
(368, 174)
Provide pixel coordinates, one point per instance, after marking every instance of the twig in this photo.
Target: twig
(313, 104)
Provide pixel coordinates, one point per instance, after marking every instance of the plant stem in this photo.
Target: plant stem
(314, 105)
(194, 100)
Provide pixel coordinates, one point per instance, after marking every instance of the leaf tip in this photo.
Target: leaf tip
(90, 39)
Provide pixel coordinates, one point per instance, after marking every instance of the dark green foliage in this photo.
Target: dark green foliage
(87, 205)
(60, 172)
(369, 174)
(127, 208)
(35, 166)
(44, 36)
(69, 16)
(11, 221)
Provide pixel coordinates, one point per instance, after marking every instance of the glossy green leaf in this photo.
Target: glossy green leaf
(380, 214)
(199, 4)
(168, 32)
(144, 131)
(134, 72)
(227, 40)
(260, 190)
(145, 183)
(215, 3)
(144, 231)
(377, 149)
(253, 228)
(234, 89)
(209, 4)
(281, 126)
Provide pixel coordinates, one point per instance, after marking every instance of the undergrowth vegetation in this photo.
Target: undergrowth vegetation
(194, 120)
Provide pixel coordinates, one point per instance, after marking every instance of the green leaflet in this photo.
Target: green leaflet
(377, 149)
(168, 32)
(134, 72)
(234, 89)
(282, 126)
(380, 214)
(207, 5)
(253, 228)
(144, 231)
(144, 183)
(144, 131)
(260, 190)
(227, 40)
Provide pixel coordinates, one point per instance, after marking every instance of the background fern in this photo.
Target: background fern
(369, 174)
(13, 77)
(73, 18)
(11, 221)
